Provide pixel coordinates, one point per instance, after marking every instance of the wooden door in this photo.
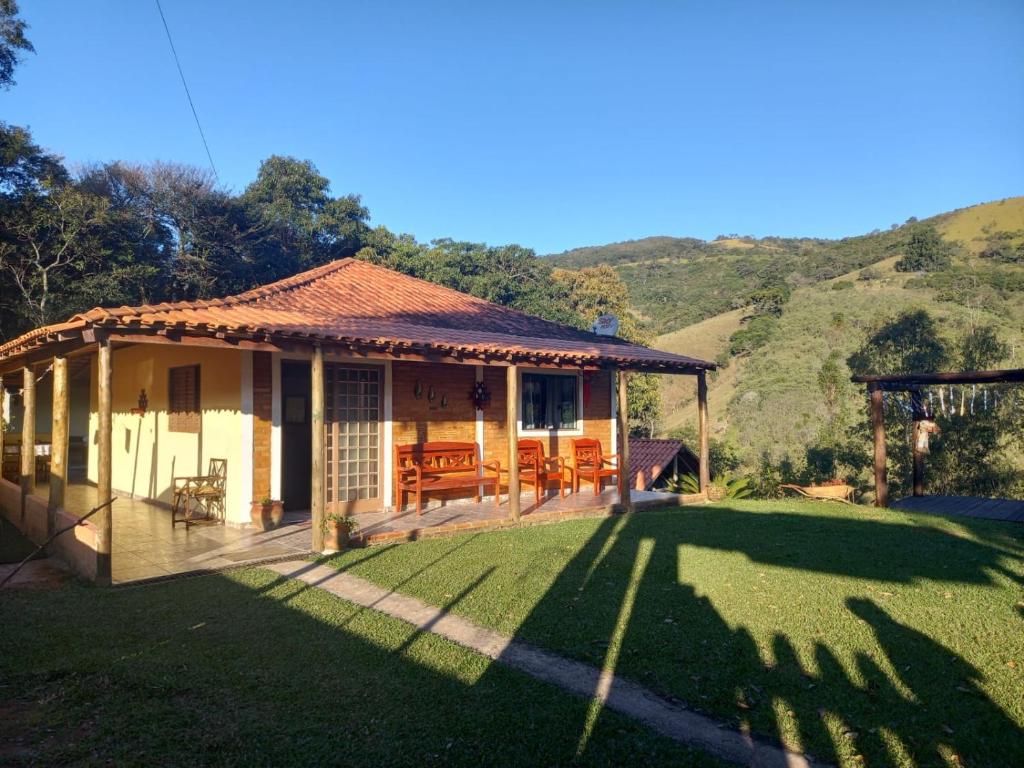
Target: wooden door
(354, 406)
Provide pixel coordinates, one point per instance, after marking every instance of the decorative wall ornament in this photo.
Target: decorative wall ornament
(444, 400)
(143, 404)
(417, 390)
(431, 393)
(480, 396)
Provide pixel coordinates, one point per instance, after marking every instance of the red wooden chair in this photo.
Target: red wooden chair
(591, 463)
(537, 470)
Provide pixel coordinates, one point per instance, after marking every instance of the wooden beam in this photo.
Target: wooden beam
(59, 443)
(878, 425)
(704, 452)
(318, 501)
(104, 453)
(622, 424)
(918, 456)
(512, 422)
(903, 381)
(28, 435)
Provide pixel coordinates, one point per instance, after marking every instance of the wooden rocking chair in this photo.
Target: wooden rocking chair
(201, 497)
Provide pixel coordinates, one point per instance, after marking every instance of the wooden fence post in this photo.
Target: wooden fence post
(28, 435)
(702, 430)
(512, 421)
(318, 501)
(878, 425)
(58, 443)
(104, 520)
(622, 425)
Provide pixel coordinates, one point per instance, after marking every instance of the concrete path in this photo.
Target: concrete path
(584, 680)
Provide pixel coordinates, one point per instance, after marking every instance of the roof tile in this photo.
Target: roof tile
(353, 301)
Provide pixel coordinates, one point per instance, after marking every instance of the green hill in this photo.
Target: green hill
(675, 282)
(770, 400)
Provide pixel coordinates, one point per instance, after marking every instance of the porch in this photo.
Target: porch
(146, 547)
(305, 407)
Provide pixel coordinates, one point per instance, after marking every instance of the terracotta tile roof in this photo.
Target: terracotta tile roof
(648, 458)
(352, 302)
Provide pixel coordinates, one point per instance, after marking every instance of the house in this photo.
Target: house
(304, 387)
(654, 460)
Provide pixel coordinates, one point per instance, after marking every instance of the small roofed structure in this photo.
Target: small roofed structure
(652, 459)
(923, 424)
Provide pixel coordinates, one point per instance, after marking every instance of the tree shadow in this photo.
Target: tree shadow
(909, 700)
(220, 670)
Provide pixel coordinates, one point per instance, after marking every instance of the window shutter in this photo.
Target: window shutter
(183, 400)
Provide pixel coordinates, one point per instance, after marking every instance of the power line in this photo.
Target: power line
(187, 93)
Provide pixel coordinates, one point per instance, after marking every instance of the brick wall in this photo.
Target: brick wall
(420, 420)
(597, 414)
(262, 399)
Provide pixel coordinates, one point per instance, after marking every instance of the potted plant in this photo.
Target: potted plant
(337, 529)
(266, 513)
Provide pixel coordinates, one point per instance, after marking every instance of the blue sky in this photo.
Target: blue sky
(556, 124)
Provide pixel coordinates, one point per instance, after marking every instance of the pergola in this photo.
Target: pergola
(913, 382)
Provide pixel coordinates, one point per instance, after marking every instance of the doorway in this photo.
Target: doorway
(353, 419)
(296, 435)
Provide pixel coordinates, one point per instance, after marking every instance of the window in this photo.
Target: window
(183, 399)
(550, 401)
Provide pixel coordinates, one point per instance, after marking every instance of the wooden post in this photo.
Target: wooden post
(878, 424)
(512, 421)
(622, 425)
(918, 455)
(318, 501)
(59, 443)
(28, 435)
(103, 519)
(702, 430)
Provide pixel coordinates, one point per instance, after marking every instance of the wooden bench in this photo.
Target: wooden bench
(424, 467)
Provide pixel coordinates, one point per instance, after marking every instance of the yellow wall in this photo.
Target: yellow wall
(146, 454)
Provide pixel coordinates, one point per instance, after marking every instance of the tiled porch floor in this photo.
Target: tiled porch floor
(144, 546)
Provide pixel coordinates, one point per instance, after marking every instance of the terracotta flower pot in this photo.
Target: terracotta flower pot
(336, 535)
(266, 515)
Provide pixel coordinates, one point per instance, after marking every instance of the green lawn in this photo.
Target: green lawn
(242, 670)
(863, 636)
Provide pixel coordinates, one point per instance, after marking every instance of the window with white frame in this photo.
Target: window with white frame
(550, 401)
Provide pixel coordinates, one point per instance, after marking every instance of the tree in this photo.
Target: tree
(907, 343)
(12, 41)
(594, 291)
(770, 299)
(981, 349)
(297, 223)
(926, 251)
(832, 380)
(47, 235)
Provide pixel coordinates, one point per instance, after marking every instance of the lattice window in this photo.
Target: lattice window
(183, 414)
(353, 441)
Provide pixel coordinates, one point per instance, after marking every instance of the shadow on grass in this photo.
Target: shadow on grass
(917, 703)
(218, 670)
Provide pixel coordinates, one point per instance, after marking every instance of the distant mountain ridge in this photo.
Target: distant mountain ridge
(677, 281)
(695, 296)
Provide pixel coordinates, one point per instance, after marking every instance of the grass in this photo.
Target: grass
(240, 669)
(855, 634)
(972, 226)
